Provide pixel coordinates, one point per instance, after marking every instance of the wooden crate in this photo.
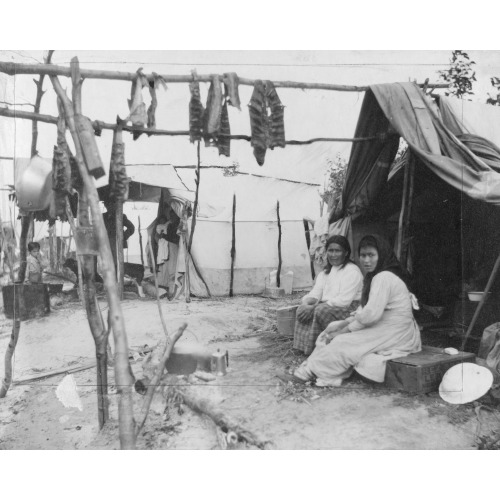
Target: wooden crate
(423, 371)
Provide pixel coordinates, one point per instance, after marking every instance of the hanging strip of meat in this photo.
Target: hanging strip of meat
(137, 108)
(196, 113)
(153, 85)
(60, 181)
(231, 82)
(223, 140)
(152, 106)
(258, 121)
(213, 112)
(276, 132)
(118, 179)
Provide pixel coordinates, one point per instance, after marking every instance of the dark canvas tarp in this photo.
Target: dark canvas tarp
(403, 108)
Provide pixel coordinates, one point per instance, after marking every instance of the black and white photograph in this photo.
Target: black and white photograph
(249, 250)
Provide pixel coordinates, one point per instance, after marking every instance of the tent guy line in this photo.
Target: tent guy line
(11, 68)
(100, 125)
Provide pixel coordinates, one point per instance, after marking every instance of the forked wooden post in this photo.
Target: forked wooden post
(123, 375)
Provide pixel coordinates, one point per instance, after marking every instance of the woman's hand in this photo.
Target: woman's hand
(305, 312)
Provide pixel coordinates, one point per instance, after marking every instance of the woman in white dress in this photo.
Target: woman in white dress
(383, 328)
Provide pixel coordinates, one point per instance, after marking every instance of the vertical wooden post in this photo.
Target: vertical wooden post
(399, 247)
(123, 374)
(140, 240)
(119, 245)
(195, 206)
(187, 280)
(407, 215)
(233, 247)
(51, 247)
(278, 278)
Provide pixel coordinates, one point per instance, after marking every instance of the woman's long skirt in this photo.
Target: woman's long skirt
(306, 333)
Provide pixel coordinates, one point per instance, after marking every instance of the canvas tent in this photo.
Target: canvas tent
(256, 226)
(452, 234)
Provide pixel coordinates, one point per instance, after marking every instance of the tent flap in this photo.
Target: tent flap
(404, 107)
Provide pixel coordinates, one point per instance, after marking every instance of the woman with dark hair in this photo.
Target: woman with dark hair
(382, 329)
(335, 295)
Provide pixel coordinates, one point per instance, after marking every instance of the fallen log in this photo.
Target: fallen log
(226, 422)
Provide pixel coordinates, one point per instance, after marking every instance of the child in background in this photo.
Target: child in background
(34, 266)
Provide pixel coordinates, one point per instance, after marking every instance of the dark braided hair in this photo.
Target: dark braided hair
(344, 243)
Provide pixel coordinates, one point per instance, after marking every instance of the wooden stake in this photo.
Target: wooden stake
(140, 240)
(195, 206)
(407, 221)
(123, 374)
(278, 278)
(169, 345)
(233, 247)
(120, 266)
(403, 209)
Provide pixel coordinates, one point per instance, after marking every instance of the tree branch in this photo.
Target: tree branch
(98, 125)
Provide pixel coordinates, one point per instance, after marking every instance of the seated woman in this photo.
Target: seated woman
(334, 296)
(384, 328)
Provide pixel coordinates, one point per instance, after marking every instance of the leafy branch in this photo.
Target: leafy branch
(460, 75)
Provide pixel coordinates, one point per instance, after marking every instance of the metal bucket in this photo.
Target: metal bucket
(286, 317)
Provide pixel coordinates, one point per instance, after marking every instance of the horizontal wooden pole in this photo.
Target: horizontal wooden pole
(97, 124)
(11, 68)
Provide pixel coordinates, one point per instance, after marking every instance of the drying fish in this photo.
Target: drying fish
(266, 119)
(153, 86)
(196, 113)
(258, 122)
(276, 135)
(231, 82)
(213, 112)
(223, 139)
(61, 170)
(118, 180)
(137, 108)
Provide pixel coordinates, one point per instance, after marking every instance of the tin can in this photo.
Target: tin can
(218, 362)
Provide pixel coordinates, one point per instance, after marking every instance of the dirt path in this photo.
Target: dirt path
(356, 416)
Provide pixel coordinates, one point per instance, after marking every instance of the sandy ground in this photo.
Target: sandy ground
(356, 416)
